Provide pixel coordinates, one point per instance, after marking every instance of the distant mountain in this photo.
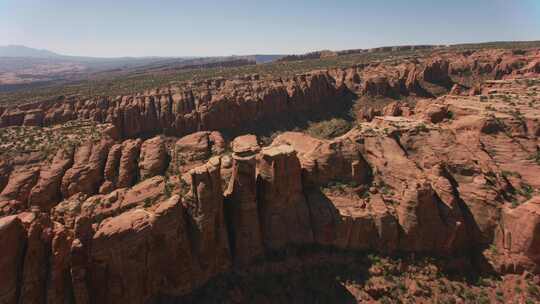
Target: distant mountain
(22, 67)
(23, 51)
(265, 58)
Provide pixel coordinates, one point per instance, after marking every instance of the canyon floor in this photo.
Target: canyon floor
(405, 177)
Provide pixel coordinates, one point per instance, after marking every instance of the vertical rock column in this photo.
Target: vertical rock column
(283, 210)
(59, 261)
(110, 171)
(241, 204)
(128, 167)
(204, 204)
(86, 174)
(12, 240)
(46, 193)
(34, 274)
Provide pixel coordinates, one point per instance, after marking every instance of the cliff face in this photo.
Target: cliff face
(138, 220)
(208, 105)
(221, 104)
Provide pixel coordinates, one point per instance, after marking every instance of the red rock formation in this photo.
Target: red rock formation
(79, 271)
(204, 205)
(424, 227)
(208, 105)
(60, 263)
(367, 114)
(344, 223)
(5, 170)
(86, 174)
(46, 193)
(518, 237)
(241, 204)
(20, 184)
(245, 145)
(193, 150)
(458, 89)
(127, 170)
(151, 251)
(34, 275)
(432, 112)
(436, 71)
(110, 172)
(380, 86)
(98, 207)
(393, 109)
(507, 65)
(232, 104)
(12, 239)
(200, 145)
(153, 158)
(325, 161)
(454, 176)
(33, 118)
(11, 117)
(283, 210)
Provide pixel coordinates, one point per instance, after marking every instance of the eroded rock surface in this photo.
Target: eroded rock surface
(241, 205)
(206, 221)
(283, 210)
(122, 219)
(153, 158)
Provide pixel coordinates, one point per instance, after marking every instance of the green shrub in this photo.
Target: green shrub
(329, 128)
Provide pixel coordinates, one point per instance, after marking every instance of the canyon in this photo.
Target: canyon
(159, 194)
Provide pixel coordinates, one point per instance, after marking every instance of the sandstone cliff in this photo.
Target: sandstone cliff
(138, 220)
(221, 104)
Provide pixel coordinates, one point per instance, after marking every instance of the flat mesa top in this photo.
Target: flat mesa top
(393, 119)
(277, 150)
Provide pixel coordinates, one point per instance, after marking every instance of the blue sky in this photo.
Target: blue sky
(204, 27)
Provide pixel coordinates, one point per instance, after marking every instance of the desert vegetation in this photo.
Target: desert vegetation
(44, 142)
(138, 82)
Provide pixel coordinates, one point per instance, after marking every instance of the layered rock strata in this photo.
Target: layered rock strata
(144, 221)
